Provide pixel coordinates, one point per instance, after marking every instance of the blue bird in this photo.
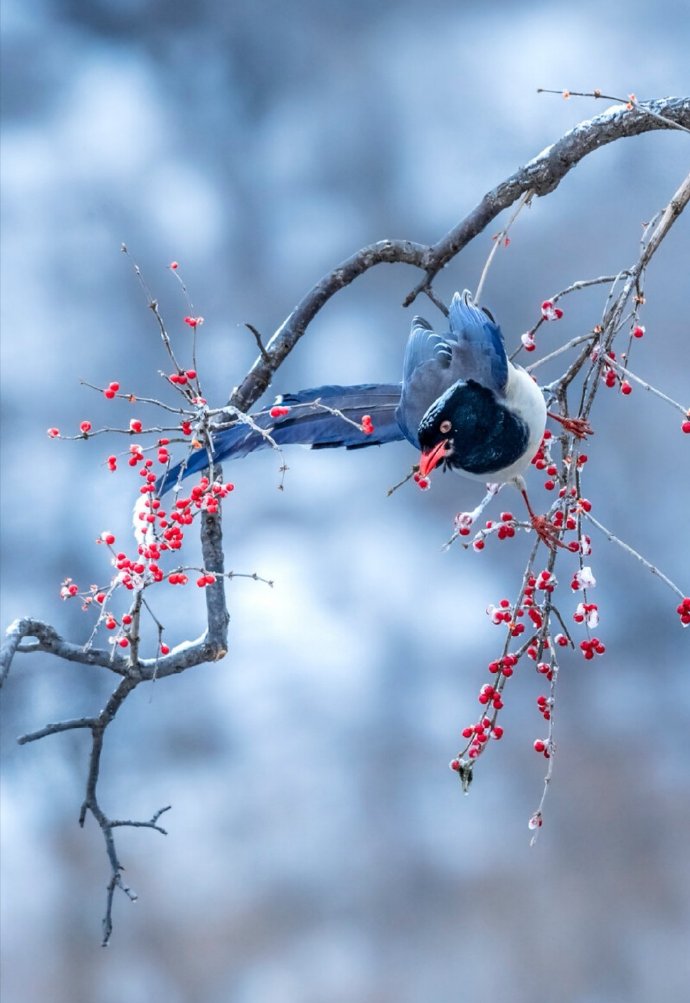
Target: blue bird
(461, 402)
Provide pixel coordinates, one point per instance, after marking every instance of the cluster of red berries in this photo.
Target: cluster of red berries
(367, 424)
(683, 611)
(550, 312)
(503, 529)
(479, 735)
(545, 704)
(542, 460)
(161, 530)
(505, 665)
(592, 647)
(182, 377)
(611, 377)
(587, 612)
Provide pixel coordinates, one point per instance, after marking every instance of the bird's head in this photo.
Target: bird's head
(439, 430)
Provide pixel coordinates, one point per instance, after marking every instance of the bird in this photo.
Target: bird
(461, 402)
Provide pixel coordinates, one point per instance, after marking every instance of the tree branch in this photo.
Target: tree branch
(48, 640)
(542, 174)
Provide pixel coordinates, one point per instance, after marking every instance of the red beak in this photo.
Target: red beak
(431, 458)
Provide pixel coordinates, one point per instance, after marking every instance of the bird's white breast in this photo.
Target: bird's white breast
(524, 398)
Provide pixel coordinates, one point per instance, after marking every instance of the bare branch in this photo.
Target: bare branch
(634, 553)
(48, 640)
(542, 174)
(54, 729)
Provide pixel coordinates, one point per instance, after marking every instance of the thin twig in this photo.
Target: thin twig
(498, 240)
(634, 553)
(257, 338)
(630, 102)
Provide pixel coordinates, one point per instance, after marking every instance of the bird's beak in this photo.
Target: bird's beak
(431, 458)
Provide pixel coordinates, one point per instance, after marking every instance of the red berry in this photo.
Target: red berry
(54, 433)
(685, 427)
(626, 388)
(165, 650)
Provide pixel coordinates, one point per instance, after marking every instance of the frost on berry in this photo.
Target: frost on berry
(587, 613)
(550, 312)
(536, 821)
(583, 579)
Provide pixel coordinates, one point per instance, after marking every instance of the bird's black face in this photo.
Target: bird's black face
(437, 433)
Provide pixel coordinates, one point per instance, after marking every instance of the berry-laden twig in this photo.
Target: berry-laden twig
(566, 515)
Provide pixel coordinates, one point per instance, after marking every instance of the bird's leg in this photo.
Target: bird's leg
(580, 427)
(544, 529)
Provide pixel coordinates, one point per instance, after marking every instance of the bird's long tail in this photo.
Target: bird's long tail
(308, 419)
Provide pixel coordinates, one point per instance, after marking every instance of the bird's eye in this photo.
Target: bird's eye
(445, 427)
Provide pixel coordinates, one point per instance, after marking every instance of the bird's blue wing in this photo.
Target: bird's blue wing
(307, 423)
(477, 344)
(471, 350)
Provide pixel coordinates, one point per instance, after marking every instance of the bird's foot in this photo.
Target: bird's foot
(579, 427)
(547, 532)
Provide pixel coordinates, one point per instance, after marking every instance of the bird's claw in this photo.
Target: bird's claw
(579, 427)
(547, 532)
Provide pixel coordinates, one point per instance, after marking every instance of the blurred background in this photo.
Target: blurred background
(319, 849)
